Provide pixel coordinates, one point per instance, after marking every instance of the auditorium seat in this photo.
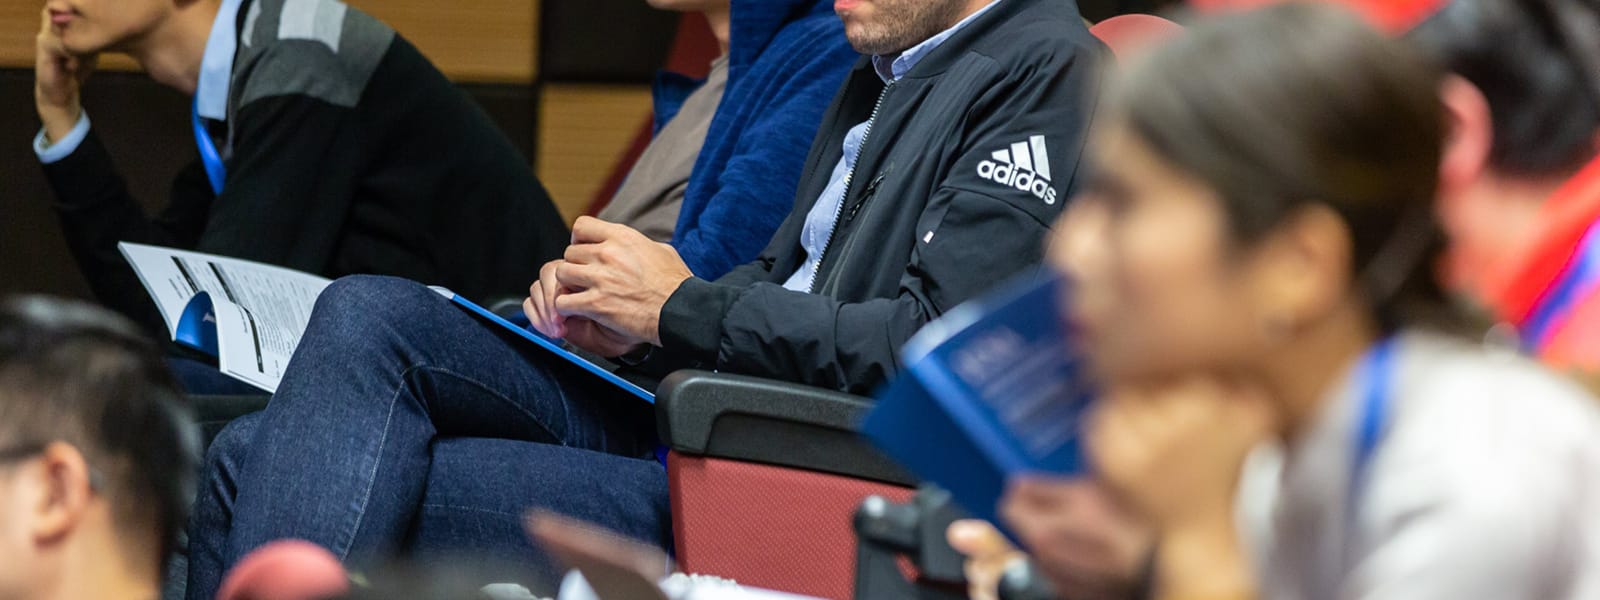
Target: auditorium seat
(764, 477)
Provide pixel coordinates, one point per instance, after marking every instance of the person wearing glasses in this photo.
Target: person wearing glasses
(98, 455)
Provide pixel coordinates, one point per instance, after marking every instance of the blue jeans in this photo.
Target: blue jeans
(406, 425)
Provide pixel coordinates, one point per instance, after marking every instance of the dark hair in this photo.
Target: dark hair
(78, 374)
(1302, 103)
(1537, 64)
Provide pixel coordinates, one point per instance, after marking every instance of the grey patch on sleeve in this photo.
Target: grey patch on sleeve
(317, 48)
(315, 20)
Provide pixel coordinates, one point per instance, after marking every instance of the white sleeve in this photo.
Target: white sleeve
(64, 147)
(1480, 502)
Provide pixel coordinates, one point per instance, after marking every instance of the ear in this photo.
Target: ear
(1468, 139)
(63, 492)
(1302, 272)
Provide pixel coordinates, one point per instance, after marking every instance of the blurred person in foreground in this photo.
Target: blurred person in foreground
(1253, 265)
(1519, 197)
(97, 455)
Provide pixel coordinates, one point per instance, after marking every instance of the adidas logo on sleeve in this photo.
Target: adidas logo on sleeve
(1024, 166)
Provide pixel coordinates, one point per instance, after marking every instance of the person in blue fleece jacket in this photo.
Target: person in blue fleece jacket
(786, 60)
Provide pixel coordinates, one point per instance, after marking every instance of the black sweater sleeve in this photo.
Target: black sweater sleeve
(96, 211)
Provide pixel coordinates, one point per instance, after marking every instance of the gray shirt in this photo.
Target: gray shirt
(650, 197)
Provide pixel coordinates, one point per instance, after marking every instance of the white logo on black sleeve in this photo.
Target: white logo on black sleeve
(1024, 166)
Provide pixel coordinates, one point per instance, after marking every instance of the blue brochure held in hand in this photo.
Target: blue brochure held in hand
(554, 347)
(991, 390)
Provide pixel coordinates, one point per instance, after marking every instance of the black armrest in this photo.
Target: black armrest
(772, 422)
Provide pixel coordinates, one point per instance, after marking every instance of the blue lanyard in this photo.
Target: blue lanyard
(209, 156)
(1377, 378)
(1377, 373)
(1581, 277)
(1377, 370)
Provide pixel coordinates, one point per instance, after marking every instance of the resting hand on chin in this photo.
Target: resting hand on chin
(1173, 451)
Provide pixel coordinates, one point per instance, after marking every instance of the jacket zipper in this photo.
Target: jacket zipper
(849, 178)
(866, 196)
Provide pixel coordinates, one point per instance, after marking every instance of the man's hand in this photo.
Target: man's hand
(58, 78)
(600, 339)
(618, 279)
(1079, 537)
(540, 307)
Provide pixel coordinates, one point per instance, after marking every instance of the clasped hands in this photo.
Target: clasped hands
(606, 293)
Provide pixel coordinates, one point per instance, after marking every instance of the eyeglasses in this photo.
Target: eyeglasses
(30, 449)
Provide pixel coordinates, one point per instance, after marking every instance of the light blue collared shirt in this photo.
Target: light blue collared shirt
(824, 215)
(211, 91)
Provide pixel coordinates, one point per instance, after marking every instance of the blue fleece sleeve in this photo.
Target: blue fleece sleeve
(756, 189)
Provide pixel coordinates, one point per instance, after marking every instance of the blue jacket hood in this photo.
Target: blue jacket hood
(754, 23)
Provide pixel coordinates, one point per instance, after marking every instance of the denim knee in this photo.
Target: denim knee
(230, 445)
(360, 306)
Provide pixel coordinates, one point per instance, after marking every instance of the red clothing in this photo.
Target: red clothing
(1521, 285)
(1576, 343)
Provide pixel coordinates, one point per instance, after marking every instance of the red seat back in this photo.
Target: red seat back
(769, 527)
(1126, 34)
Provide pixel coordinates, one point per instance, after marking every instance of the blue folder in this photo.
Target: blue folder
(991, 390)
(552, 346)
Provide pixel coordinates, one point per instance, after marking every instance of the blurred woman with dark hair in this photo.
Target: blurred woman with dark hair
(1253, 262)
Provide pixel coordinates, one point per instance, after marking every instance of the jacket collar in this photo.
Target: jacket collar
(980, 29)
(892, 68)
(755, 23)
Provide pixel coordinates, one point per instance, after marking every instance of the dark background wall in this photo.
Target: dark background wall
(580, 63)
(145, 125)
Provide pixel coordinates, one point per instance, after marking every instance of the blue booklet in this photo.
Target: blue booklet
(991, 390)
(553, 346)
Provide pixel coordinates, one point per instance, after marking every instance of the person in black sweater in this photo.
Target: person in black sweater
(327, 142)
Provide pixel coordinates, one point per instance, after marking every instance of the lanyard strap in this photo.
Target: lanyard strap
(1580, 276)
(1377, 377)
(215, 171)
(1377, 370)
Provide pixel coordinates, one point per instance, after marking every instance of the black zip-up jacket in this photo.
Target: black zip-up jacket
(951, 195)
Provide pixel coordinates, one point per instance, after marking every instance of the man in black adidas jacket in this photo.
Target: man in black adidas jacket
(968, 158)
(918, 195)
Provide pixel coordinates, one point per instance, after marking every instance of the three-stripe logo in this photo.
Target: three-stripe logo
(1023, 166)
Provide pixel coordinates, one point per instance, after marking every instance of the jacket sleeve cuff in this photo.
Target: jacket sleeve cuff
(691, 320)
(53, 152)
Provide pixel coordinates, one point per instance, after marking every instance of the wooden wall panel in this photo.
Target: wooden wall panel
(484, 41)
(583, 130)
(470, 40)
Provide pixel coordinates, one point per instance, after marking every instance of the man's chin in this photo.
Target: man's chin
(870, 45)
